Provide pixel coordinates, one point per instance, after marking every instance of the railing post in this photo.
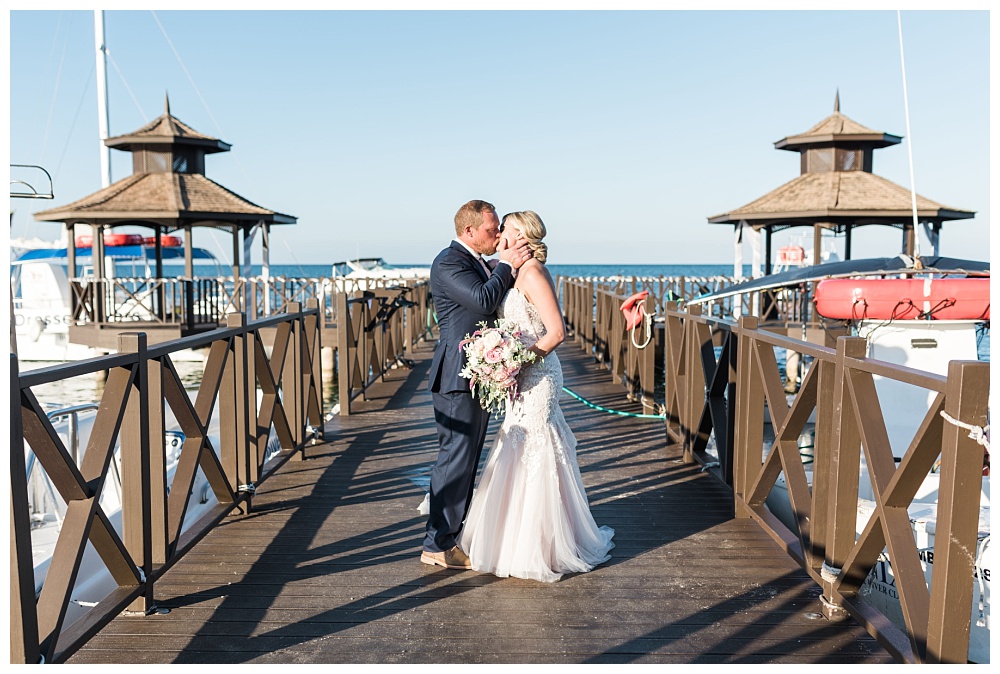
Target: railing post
(137, 521)
(291, 377)
(234, 411)
(844, 472)
(955, 548)
(344, 355)
(23, 617)
(313, 349)
(748, 439)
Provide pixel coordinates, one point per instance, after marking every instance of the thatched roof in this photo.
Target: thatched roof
(174, 199)
(840, 197)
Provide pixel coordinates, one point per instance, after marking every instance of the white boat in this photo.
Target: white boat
(40, 290)
(366, 273)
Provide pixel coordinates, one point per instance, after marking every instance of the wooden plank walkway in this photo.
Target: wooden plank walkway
(326, 568)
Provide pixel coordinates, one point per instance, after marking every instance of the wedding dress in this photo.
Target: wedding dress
(529, 515)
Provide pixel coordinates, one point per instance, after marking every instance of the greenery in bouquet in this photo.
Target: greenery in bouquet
(495, 357)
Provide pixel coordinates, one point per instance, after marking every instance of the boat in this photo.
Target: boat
(365, 273)
(40, 290)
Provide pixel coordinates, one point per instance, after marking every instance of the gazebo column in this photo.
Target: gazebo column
(71, 264)
(847, 242)
(767, 252)
(236, 268)
(908, 243)
(97, 255)
(188, 254)
(158, 257)
(817, 243)
(265, 265)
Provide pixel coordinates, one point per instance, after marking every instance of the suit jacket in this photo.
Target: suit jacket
(463, 297)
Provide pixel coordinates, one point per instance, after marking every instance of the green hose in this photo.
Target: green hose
(604, 409)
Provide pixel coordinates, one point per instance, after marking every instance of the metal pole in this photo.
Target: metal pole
(102, 96)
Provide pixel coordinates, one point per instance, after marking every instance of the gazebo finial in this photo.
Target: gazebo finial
(166, 103)
(836, 101)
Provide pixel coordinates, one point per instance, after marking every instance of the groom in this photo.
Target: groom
(465, 293)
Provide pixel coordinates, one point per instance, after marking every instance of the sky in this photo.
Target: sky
(625, 130)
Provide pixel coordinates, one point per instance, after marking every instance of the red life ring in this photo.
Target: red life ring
(86, 240)
(632, 308)
(122, 239)
(904, 299)
(165, 241)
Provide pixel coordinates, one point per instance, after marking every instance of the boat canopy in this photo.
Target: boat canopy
(873, 266)
(115, 252)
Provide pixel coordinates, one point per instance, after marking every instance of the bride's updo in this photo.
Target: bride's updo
(533, 229)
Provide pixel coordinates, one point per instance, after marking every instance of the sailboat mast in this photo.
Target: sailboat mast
(102, 96)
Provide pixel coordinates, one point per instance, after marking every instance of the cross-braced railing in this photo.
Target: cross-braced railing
(375, 329)
(593, 316)
(254, 393)
(723, 382)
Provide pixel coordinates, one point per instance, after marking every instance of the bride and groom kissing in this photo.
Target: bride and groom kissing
(529, 516)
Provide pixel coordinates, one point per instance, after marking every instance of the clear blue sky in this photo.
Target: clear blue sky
(624, 130)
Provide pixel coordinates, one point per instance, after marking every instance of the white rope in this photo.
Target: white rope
(247, 488)
(977, 433)
(649, 329)
(829, 573)
(983, 544)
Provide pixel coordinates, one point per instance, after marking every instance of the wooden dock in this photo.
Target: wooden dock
(325, 569)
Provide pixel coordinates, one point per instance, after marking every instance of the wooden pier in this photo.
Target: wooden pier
(325, 568)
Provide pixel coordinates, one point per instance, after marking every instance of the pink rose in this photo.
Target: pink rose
(494, 355)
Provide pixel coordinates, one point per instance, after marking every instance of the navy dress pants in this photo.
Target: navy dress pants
(461, 427)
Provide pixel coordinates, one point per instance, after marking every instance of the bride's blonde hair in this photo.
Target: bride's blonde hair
(533, 229)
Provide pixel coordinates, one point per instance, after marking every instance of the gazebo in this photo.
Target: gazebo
(837, 190)
(167, 192)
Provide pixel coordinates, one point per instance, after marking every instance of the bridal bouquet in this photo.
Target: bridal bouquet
(495, 356)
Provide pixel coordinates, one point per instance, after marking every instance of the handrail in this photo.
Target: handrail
(375, 329)
(141, 385)
(722, 383)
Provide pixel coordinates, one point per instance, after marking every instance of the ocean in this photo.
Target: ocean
(86, 389)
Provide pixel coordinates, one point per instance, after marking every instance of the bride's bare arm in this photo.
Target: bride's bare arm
(534, 281)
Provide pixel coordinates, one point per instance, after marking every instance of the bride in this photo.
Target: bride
(529, 516)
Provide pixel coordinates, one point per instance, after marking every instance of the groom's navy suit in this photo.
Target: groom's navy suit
(464, 295)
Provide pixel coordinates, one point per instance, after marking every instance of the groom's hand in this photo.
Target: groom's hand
(517, 255)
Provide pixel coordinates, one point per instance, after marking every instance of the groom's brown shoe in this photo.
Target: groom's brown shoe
(449, 559)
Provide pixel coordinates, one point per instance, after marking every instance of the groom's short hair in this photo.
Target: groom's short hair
(471, 215)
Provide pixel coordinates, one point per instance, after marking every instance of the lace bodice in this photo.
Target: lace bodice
(540, 384)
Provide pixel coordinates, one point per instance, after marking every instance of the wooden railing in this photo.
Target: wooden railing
(254, 393)
(595, 322)
(375, 329)
(208, 300)
(724, 398)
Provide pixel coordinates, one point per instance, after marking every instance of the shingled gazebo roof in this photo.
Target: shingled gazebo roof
(190, 197)
(844, 192)
(838, 198)
(162, 194)
(167, 129)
